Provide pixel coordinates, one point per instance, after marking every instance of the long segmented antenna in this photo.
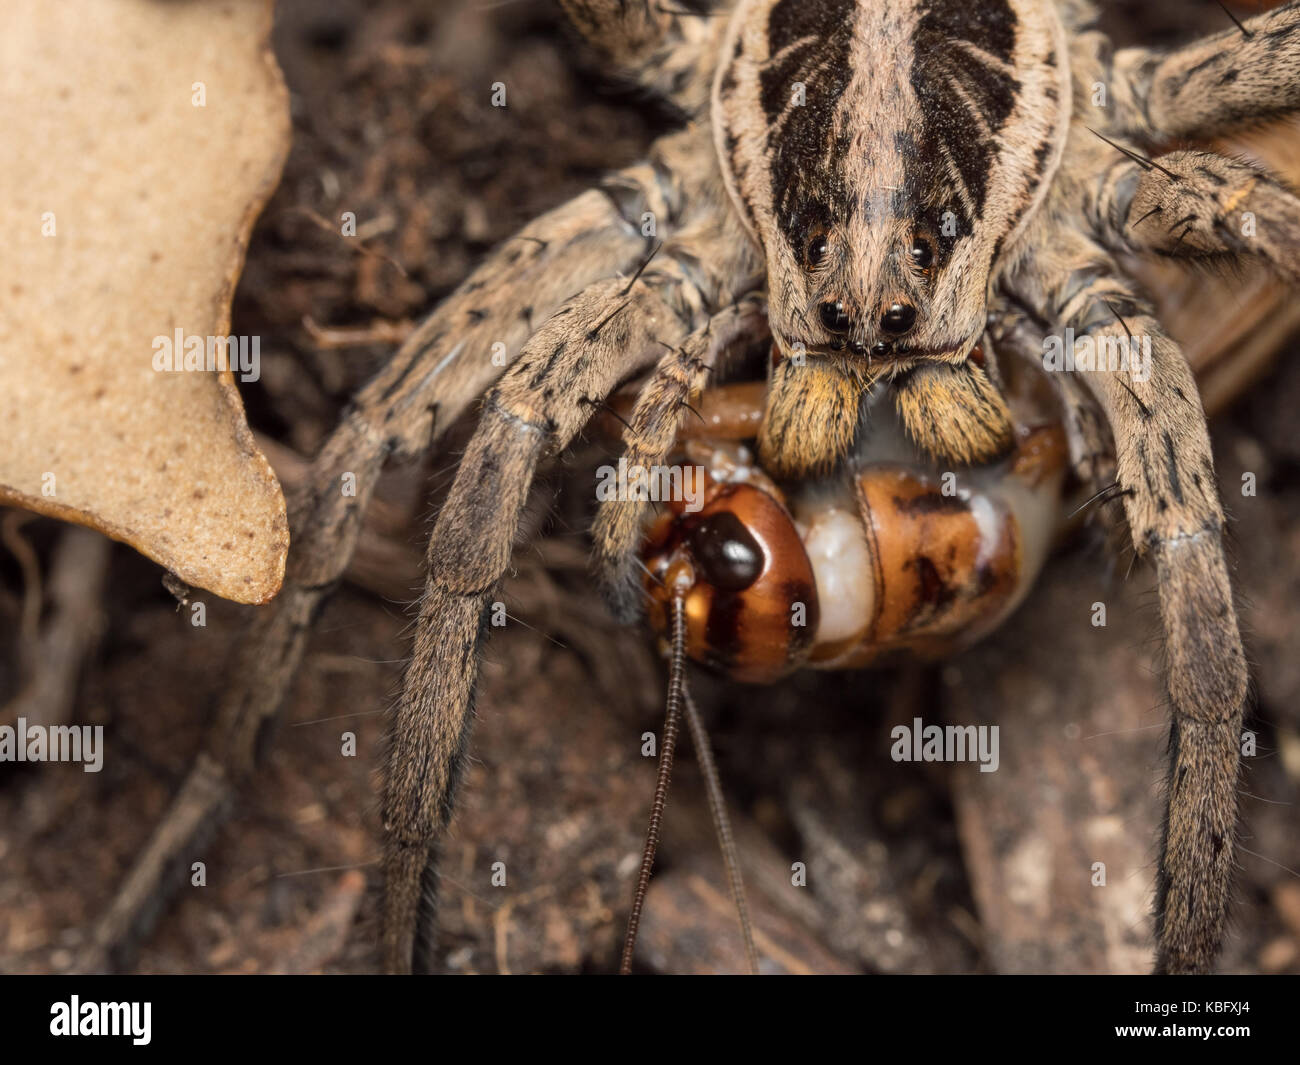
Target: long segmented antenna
(722, 824)
(676, 686)
(679, 696)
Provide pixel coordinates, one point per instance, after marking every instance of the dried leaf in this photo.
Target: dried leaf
(142, 138)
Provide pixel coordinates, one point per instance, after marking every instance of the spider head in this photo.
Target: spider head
(885, 156)
(877, 276)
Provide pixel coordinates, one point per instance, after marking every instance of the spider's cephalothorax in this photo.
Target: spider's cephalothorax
(884, 155)
(861, 179)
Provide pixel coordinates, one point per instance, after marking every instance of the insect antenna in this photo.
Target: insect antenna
(679, 697)
(676, 685)
(722, 824)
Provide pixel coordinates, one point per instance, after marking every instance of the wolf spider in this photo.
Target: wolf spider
(883, 173)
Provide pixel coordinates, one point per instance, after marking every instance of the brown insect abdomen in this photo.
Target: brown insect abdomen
(946, 568)
(887, 564)
(941, 572)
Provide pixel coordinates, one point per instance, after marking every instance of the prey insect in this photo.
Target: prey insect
(896, 557)
(864, 182)
(886, 561)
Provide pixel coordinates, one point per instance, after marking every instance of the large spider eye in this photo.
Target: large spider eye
(835, 318)
(817, 249)
(726, 552)
(922, 253)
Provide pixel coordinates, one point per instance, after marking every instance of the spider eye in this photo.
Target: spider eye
(922, 253)
(817, 249)
(726, 552)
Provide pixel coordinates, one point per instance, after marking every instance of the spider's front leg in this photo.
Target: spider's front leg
(460, 349)
(660, 409)
(1163, 455)
(660, 45)
(1210, 87)
(1200, 205)
(1166, 474)
(594, 342)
